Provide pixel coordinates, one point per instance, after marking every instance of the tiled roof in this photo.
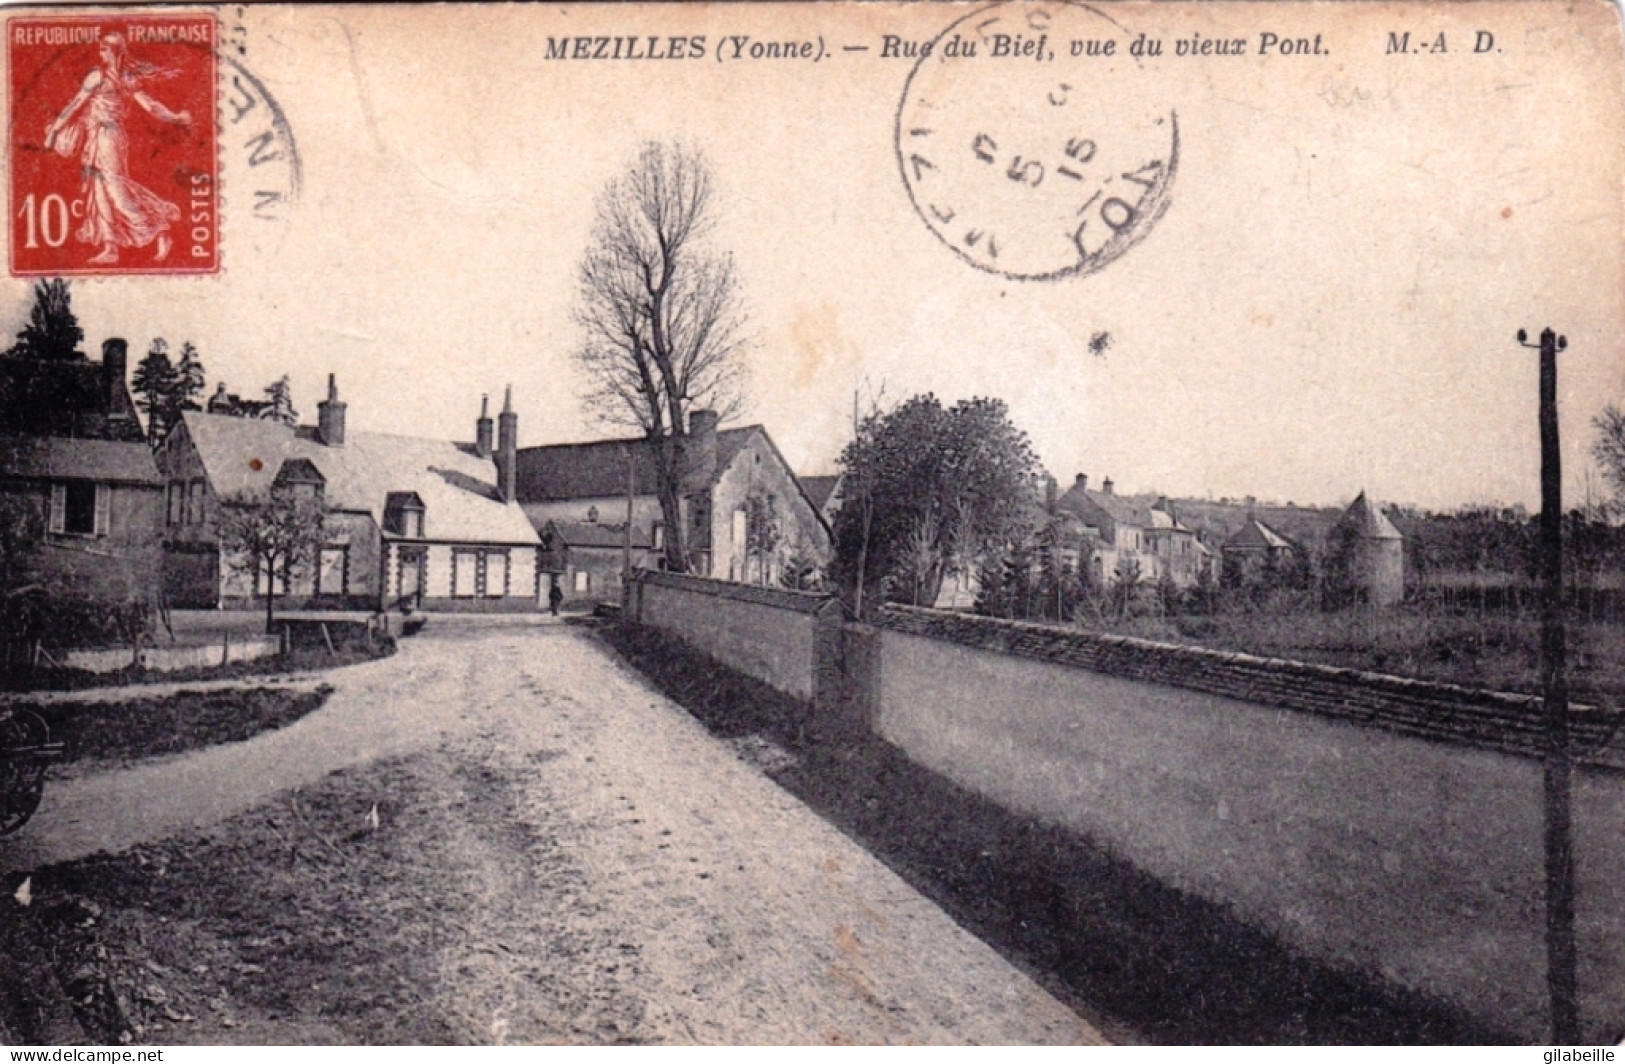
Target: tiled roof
(819, 489)
(593, 534)
(1135, 511)
(1257, 535)
(1367, 520)
(60, 458)
(598, 469)
(457, 487)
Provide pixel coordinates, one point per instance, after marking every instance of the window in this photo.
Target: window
(177, 495)
(496, 575)
(465, 568)
(412, 524)
(330, 578)
(281, 581)
(79, 508)
(581, 580)
(194, 503)
(660, 536)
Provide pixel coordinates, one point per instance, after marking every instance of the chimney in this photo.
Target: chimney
(1051, 489)
(507, 447)
(330, 416)
(1106, 486)
(115, 361)
(1081, 482)
(700, 464)
(482, 430)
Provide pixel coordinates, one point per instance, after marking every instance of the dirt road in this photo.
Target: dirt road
(612, 871)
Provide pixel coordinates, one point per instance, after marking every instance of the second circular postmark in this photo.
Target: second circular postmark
(1029, 162)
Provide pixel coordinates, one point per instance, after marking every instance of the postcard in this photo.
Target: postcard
(1017, 522)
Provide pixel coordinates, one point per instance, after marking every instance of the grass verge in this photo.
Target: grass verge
(187, 720)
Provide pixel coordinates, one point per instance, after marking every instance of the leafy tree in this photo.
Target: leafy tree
(662, 316)
(153, 382)
(52, 332)
(1609, 450)
(277, 535)
(763, 532)
(279, 396)
(943, 486)
(1125, 589)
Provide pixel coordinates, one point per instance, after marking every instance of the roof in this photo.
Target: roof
(1368, 521)
(458, 488)
(1257, 535)
(819, 489)
(61, 458)
(593, 534)
(597, 470)
(1135, 511)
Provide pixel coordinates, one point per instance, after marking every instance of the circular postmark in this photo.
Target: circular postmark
(262, 161)
(1028, 154)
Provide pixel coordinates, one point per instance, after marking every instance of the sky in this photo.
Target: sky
(1328, 304)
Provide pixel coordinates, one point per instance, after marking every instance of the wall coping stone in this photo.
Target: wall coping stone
(1498, 720)
(813, 602)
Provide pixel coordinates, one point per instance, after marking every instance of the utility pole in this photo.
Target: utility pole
(1560, 949)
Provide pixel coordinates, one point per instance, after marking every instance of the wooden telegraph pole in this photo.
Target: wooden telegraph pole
(1560, 950)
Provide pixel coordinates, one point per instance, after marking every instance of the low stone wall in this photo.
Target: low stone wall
(1490, 720)
(173, 659)
(789, 640)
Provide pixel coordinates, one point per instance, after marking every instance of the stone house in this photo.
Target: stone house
(1254, 551)
(587, 558)
(1120, 531)
(83, 467)
(411, 522)
(723, 470)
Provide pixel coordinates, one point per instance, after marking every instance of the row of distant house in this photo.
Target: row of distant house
(411, 522)
(487, 525)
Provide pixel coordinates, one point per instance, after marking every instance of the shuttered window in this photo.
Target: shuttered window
(464, 574)
(496, 575)
(80, 508)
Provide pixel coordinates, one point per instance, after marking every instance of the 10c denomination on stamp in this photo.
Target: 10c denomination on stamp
(1026, 160)
(112, 137)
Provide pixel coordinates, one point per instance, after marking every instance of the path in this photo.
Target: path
(754, 920)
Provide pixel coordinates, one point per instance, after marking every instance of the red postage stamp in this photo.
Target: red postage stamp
(112, 140)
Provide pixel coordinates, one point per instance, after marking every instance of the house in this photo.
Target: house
(1123, 531)
(72, 451)
(410, 522)
(587, 558)
(1256, 550)
(725, 473)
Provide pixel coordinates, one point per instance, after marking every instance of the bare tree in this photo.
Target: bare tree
(662, 315)
(276, 534)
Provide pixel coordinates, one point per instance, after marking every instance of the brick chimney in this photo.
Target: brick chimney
(330, 415)
(507, 455)
(115, 362)
(482, 429)
(1081, 482)
(1106, 486)
(700, 454)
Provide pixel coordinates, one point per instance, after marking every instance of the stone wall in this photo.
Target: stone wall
(1304, 798)
(789, 640)
(1486, 719)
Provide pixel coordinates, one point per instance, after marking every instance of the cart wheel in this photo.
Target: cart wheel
(22, 776)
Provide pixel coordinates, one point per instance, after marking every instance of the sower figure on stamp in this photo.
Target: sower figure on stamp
(119, 213)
